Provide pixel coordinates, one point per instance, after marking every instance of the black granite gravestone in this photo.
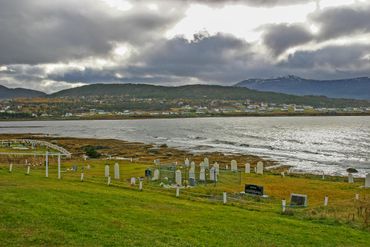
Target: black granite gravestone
(297, 200)
(254, 189)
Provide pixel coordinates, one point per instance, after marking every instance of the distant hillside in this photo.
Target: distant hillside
(202, 92)
(357, 88)
(11, 93)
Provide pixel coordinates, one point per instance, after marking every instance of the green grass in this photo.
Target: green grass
(38, 211)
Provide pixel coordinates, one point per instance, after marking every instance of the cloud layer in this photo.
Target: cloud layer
(51, 45)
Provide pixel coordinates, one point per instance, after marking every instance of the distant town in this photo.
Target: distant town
(120, 107)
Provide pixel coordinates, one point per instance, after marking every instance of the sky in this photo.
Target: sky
(53, 45)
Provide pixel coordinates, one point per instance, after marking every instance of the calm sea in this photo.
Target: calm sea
(311, 144)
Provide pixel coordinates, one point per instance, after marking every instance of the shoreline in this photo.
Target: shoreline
(185, 117)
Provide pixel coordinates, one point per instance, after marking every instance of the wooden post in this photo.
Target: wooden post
(47, 164)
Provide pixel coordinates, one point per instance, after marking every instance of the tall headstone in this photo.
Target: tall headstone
(178, 177)
(206, 163)
(213, 174)
(367, 181)
(259, 169)
(106, 171)
(247, 168)
(116, 171)
(192, 165)
(155, 175)
(133, 181)
(202, 165)
(350, 178)
(192, 173)
(202, 174)
(187, 162)
(234, 166)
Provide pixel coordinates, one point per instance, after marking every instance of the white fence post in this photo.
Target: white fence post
(59, 173)
(10, 167)
(28, 170)
(224, 197)
(326, 201)
(109, 181)
(283, 205)
(177, 191)
(47, 164)
(82, 177)
(141, 185)
(357, 197)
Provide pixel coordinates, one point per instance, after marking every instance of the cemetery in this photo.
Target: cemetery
(228, 187)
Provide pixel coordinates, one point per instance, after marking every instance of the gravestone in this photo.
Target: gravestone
(88, 167)
(350, 178)
(206, 163)
(217, 167)
(187, 162)
(213, 174)
(157, 162)
(116, 171)
(247, 168)
(106, 171)
(259, 169)
(234, 166)
(155, 175)
(10, 167)
(227, 167)
(253, 189)
(192, 173)
(28, 169)
(148, 173)
(298, 200)
(202, 165)
(367, 181)
(192, 181)
(178, 177)
(74, 168)
(133, 181)
(202, 174)
(192, 165)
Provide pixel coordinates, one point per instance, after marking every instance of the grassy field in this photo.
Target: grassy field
(39, 211)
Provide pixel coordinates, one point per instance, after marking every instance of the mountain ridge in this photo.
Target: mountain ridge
(352, 88)
(11, 93)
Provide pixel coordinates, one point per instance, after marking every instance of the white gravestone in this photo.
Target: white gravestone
(202, 174)
(106, 171)
(28, 169)
(155, 175)
(116, 171)
(192, 173)
(213, 174)
(10, 167)
(259, 167)
(247, 168)
(367, 181)
(192, 165)
(202, 165)
(350, 178)
(234, 166)
(178, 177)
(206, 163)
(187, 162)
(133, 181)
(227, 167)
(217, 167)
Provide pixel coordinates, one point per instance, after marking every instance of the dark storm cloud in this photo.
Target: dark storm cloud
(332, 23)
(280, 37)
(332, 58)
(41, 31)
(342, 21)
